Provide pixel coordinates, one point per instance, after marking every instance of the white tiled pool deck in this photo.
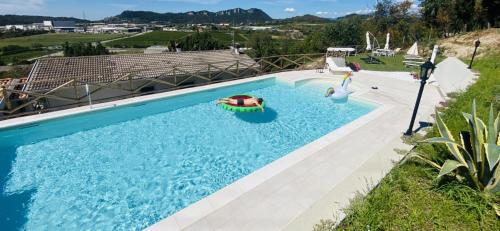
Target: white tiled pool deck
(314, 182)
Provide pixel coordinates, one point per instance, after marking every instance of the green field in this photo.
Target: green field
(15, 58)
(164, 38)
(56, 39)
(149, 39)
(227, 38)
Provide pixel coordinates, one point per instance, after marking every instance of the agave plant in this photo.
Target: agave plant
(476, 157)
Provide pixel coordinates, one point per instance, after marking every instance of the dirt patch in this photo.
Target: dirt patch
(462, 46)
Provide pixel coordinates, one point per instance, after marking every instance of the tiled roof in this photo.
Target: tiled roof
(49, 73)
(11, 84)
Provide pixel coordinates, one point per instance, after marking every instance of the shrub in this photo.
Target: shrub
(476, 157)
(13, 49)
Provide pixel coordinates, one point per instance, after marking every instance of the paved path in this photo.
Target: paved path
(116, 39)
(55, 54)
(453, 75)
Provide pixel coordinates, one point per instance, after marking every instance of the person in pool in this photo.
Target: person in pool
(243, 102)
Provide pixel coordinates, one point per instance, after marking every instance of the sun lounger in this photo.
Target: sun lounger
(413, 57)
(337, 65)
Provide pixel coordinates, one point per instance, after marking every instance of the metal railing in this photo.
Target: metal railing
(176, 77)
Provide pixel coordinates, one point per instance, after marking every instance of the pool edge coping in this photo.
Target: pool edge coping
(33, 119)
(198, 210)
(202, 208)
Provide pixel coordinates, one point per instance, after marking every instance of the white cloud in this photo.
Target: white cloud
(290, 10)
(322, 13)
(20, 7)
(414, 8)
(364, 11)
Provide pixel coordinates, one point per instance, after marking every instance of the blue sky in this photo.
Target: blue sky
(98, 9)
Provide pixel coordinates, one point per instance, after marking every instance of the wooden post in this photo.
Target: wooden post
(3, 93)
(238, 67)
(175, 76)
(76, 90)
(209, 72)
(260, 65)
(130, 82)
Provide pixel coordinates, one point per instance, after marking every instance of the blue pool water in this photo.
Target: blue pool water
(129, 167)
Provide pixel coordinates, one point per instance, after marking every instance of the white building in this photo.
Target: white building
(47, 25)
(17, 27)
(156, 50)
(169, 29)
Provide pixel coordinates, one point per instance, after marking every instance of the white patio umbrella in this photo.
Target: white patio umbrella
(434, 53)
(413, 50)
(368, 43)
(386, 47)
(432, 78)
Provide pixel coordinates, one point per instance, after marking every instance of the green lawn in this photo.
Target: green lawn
(387, 63)
(56, 39)
(149, 39)
(164, 38)
(411, 198)
(15, 58)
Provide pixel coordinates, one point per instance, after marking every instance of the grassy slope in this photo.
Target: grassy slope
(410, 197)
(24, 56)
(56, 39)
(227, 38)
(153, 38)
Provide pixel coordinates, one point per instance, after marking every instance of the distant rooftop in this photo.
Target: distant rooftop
(49, 73)
(64, 24)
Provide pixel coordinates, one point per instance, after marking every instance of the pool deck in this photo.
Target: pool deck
(318, 180)
(314, 182)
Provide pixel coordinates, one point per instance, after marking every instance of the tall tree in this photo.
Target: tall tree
(262, 45)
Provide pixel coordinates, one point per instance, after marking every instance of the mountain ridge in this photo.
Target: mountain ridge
(307, 18)
(12, 19)
(231, 16)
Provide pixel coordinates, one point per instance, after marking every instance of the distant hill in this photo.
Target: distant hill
(28, 19)
(353, 16)
(308, 18)
(236, 16)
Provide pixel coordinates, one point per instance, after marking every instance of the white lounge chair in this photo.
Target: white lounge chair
(337, 65)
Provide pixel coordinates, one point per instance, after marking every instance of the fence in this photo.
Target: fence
(20, 100)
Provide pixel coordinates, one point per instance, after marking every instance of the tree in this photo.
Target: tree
(200, 41)
(344, 33)
(460, 15)
(262, 45)
(491, 8)
(81, 49)
(316, 42)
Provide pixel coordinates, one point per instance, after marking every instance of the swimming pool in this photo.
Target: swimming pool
(131, 166)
